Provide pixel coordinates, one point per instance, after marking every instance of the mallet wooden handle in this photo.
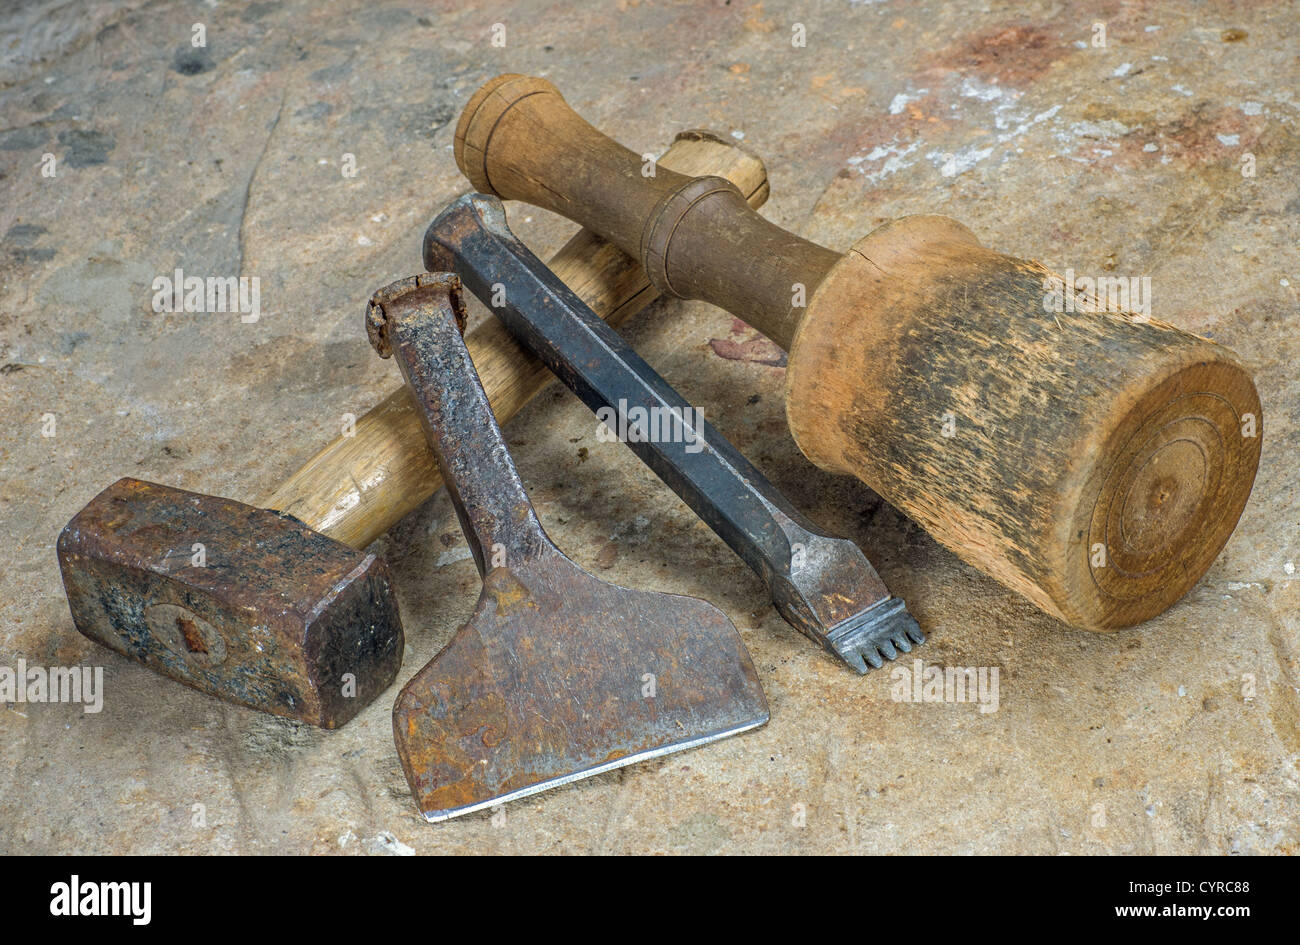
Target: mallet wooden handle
(359, 486)
(728, 255)
(1094, 461)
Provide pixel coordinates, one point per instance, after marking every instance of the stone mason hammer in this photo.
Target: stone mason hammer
(279, 610)
(1095, 462)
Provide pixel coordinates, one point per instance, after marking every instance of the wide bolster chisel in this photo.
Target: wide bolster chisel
(557, 675)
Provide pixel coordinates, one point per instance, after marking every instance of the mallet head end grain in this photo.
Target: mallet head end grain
(1161, 496)
(1095, 461)
(236, 601)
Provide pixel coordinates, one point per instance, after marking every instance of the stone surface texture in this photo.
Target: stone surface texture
(1129, 158)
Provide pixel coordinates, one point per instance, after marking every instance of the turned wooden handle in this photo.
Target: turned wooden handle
(697, 237)
(359, 486)
(1094, 460)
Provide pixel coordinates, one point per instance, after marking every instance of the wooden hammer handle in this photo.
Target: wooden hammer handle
(697, 238)
(359, 486)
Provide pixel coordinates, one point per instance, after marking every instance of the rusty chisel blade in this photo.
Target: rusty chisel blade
(825, 587)
(557, 675)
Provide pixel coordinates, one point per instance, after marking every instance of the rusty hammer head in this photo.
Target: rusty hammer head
(239, 602)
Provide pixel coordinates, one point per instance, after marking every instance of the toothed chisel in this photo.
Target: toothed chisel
(825, 587)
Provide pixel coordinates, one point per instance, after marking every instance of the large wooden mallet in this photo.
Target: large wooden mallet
(1094, 461)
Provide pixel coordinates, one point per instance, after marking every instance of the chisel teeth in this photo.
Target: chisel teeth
(875, 636)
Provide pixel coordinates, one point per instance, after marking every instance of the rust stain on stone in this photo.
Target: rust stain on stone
(745, 344)
(1007, 54)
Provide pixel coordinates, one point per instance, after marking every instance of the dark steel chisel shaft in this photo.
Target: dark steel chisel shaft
(823, 586)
